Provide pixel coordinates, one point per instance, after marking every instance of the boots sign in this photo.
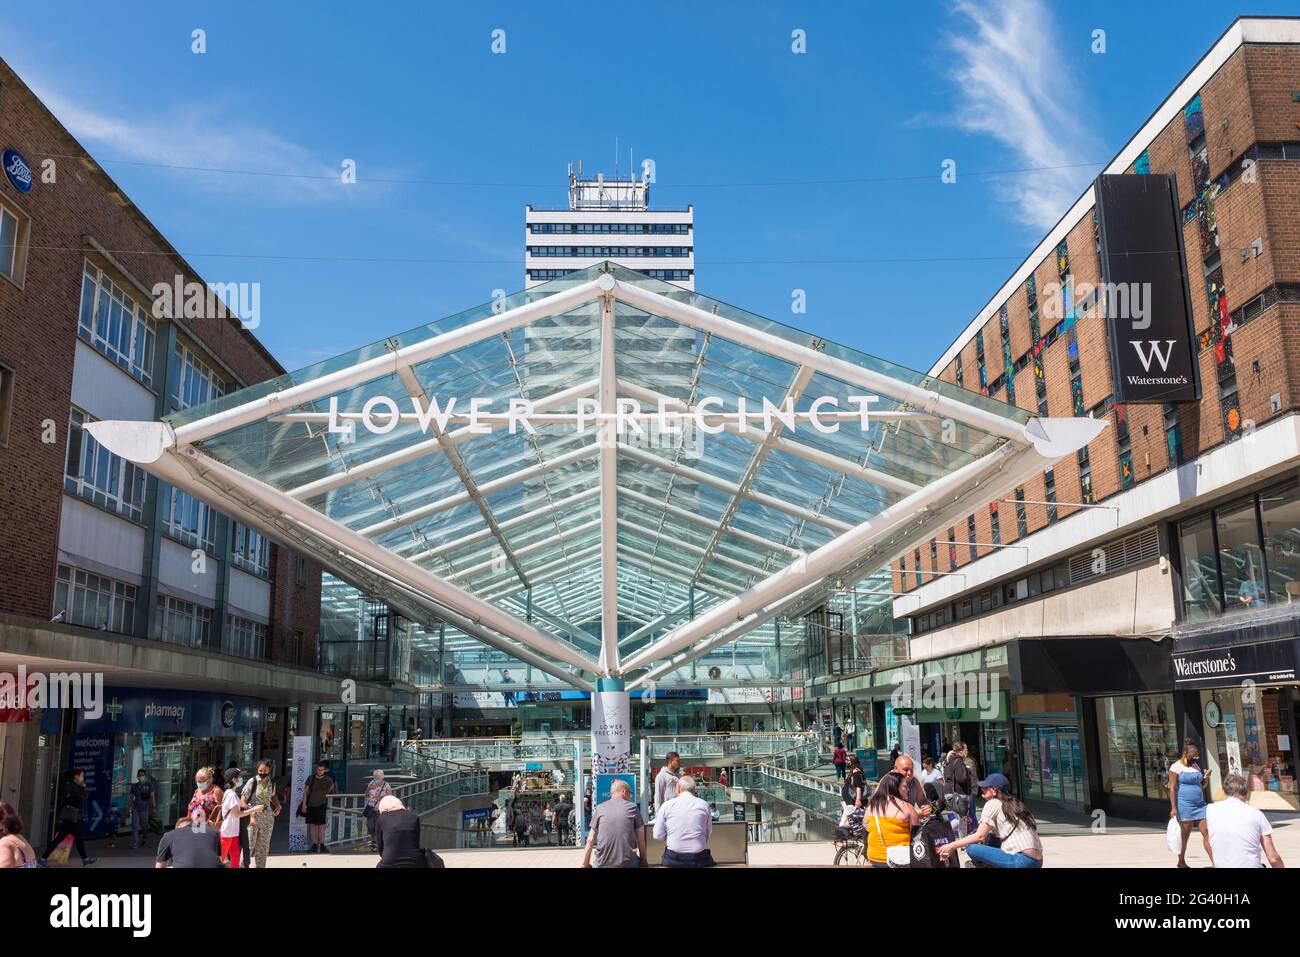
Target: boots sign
(1144, 293)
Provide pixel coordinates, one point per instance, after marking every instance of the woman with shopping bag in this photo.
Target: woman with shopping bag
(67, 832)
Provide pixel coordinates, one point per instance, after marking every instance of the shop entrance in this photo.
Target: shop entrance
(1052, 764)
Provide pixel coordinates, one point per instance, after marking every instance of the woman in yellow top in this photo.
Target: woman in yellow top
(890, 819)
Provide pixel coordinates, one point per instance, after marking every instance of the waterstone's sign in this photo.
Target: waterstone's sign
(1263, 663)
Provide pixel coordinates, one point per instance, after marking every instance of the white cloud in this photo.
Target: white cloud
(210, 136)
(1013, 85)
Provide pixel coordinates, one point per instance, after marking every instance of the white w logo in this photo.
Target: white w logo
(1154, 353)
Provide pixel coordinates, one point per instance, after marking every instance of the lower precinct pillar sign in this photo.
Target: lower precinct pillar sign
(611, 722)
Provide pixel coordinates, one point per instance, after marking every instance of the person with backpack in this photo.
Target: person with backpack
(854, 792)
(260, 790)
(958, 788)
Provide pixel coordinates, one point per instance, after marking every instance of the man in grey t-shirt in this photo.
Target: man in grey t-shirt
(666, 780)
(617, 831)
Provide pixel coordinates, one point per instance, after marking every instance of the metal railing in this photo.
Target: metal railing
(740, 745)
(479, 751)
(439, 783)
(821, 796)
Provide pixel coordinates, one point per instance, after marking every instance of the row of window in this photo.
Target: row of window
(94, 473)
(94, 601)
(612, 252)
(193, 381)
(1140, 548)
(661, 229)
(667, 275)
(116, 324)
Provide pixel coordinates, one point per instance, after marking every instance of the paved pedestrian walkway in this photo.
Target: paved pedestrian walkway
(1075, 841)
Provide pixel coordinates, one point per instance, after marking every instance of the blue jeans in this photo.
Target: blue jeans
(996, 857)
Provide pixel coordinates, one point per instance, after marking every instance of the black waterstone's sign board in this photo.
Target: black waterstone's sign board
(1153, 352)
(1263, 663)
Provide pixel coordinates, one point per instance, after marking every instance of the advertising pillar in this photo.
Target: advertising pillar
(611, 721)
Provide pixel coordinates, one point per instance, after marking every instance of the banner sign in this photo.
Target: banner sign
(611, 722)
(93, 754)
(605, 781)
(199, 714)
(301, 768)
(1148, 308)
(1263, 663)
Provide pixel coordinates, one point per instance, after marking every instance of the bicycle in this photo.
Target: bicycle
(851, 852)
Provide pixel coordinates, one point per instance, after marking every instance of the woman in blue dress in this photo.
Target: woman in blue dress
(1187, 786)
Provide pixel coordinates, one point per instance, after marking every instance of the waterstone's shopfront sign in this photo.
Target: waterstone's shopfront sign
(1263, 663)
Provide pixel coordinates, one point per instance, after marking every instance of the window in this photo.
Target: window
(6, 402)
(1241, 560)
(1138, 740)
(13, 245)
(97, 475)
(1280, 511)
(188, 520)
(1050, 476)
(192, 380)
(250, 550)
(245, 637)
(970, 537)
(295, 647)
(184, 623)
(993, 521)
(300, 570)
(94, 601)
(115, 324)
(1022, 519)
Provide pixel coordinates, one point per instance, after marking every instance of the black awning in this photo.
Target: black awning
(1094, 665)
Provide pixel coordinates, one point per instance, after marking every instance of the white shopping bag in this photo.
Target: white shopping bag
(1174, 836)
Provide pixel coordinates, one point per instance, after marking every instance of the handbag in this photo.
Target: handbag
(898, 855)
(369, 812)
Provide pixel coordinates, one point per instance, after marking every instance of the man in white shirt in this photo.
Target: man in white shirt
(1238, 832)
(685, 824)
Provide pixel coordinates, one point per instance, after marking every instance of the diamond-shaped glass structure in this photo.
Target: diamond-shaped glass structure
(677, 473)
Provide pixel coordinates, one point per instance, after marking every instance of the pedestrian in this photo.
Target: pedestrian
(1188, 782)
(958, 787)
(850, 735)
(838, 758)
(68, 823)
(685, 825)
(854, 792)
(617, 835)
(206, 797)
(889, 821)
(893, 754)
(14, 849)
(548, 821)
(261, 790)
(912, 789)
(929, 777)
(192, 843)
(144, 804)
(722, 777)
(666, 780)
(521, 826)
(397, 835)
(1006, 818)
(563, 816)
(314, 796)
(837, 734)
(1238, 832)
(232, 813)
(376, 790)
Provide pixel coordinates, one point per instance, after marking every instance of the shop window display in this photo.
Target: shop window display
(1249, 731)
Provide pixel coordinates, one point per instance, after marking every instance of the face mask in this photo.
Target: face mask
(201, 785)
(239, 782)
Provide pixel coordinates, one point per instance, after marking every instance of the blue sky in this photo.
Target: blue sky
(711, 91)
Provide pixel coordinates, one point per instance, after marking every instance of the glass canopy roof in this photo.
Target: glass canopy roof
(481, 516)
